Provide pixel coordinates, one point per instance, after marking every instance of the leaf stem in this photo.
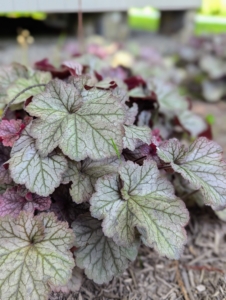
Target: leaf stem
(20, 93)
(165, 166)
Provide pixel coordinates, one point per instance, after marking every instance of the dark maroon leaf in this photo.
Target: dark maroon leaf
(44, 65)
(134, 81)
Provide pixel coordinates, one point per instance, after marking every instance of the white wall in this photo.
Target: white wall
(92, 5)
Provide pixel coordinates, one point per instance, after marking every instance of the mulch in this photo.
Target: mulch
(199, 274)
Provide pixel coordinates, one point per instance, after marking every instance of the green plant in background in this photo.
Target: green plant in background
(34, 15)
(211, 18)
(146, 18)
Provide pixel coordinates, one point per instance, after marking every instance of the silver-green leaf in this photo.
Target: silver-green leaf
(34, 255)
(99, 255)
(84, 175)
(8, 75)
(135, 134)
(139, 198)
(20, 84)
(80, 128)
(41, 175)
(201, 164)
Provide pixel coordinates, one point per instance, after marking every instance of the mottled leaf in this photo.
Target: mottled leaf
(134, 134)
(84, 175)
(80, 128)
(99, 255)
(22, 83)
(201, 164)
(10, 131)
(41, 175)
(12, 202)
(140, 198)
(33, 255)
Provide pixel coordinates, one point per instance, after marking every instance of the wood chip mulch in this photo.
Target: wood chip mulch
(199, 274)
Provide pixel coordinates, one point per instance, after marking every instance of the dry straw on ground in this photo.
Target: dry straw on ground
(199, 274)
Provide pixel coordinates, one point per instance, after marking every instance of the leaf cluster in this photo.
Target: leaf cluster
(90, 171)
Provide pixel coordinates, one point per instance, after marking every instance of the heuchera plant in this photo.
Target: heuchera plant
(203, 59)
(90, 171)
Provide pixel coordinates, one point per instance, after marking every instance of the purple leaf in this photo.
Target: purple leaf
(10, 131)
(14, 200)
(44, 65)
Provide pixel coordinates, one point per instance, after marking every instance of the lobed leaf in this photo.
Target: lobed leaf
(20, 84)
(84, 175)
(34, 253)
(80, 128)
(201, 164)
(140, 198)
(99, 255)
(8, 75)
(135, 134)
(41, 175)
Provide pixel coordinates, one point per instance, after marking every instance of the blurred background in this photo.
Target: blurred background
(49, 25)
(181, 42)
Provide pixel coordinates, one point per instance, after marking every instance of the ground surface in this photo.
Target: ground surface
(199, 273)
